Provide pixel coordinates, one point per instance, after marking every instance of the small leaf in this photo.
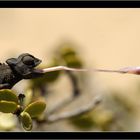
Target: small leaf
(8, 106)
(8, 95)
(35, 108)
(83, 122)
(26, 121)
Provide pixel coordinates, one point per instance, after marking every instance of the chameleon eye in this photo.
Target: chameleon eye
(28, 60)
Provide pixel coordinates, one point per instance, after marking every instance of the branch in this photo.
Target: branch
(79, 111)
(76, 93)
(60, 106)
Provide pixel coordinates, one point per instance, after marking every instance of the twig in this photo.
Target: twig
(60, 106)
(74, 82)
(79, 111)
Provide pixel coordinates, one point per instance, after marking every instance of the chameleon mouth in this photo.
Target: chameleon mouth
(37, 62)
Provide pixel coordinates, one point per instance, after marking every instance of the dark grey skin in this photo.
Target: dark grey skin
(17, 69)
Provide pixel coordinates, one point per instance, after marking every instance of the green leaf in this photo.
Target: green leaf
(35, 108)
(83, 122)
(8, 106)
(73, 61)
(26, 121)
(67, 49)
(8, 95)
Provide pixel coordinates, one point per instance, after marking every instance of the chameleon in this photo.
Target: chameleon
(23, 67)
(17, 69)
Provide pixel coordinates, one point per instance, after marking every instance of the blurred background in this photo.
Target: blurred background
(101, 38)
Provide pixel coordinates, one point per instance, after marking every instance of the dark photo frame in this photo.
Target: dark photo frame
(69, 4)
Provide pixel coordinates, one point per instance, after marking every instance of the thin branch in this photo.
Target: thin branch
(74, 82)
(60, 106)
(79, 111)
(76, 93)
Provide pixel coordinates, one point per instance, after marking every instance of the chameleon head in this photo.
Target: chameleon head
(24, 64)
